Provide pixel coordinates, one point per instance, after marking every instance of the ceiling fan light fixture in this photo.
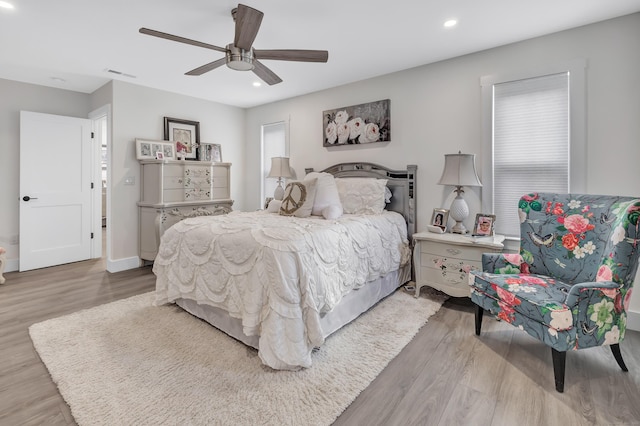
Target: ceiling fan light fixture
(239, 59)
(240, 55)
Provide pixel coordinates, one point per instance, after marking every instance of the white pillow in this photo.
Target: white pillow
(274, 206)
(362, 195)
(298, 198)
(387, 195)
(326, 195)
(332, 212)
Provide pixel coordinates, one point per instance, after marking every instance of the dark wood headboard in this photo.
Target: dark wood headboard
(402, 184)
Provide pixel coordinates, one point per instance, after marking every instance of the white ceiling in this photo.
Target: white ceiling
(79, 40)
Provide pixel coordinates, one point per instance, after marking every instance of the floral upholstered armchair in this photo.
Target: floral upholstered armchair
(571, 283)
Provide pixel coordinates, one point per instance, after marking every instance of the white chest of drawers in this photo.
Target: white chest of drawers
(173, 190)
(442, 261)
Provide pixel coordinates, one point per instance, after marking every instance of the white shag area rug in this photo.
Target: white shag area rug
(131, 363)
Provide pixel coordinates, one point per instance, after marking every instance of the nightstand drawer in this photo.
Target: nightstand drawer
(446, 279)
(449, 263)
(450, 250)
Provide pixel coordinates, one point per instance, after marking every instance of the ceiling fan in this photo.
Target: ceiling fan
(240, 55)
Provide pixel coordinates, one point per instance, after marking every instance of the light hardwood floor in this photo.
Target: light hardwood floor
(445, 376)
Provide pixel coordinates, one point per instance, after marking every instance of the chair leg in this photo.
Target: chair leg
(479, 313)
(618, 356)
(559, 359)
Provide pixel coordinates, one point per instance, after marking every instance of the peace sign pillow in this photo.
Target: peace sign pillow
(298, 198)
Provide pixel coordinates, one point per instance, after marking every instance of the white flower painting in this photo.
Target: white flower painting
(357, 124)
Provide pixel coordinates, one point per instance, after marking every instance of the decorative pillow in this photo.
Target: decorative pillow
(387, 194)
(298, 198)
(362, 195)
(326, 195)
(332, 212)
(274, 206)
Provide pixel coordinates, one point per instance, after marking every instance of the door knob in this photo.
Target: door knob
(27, 198)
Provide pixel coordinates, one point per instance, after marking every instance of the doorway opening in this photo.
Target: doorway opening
(101, 166)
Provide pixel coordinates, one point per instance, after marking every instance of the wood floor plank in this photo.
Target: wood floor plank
(468, 406)
(377, 405)
(445, 376)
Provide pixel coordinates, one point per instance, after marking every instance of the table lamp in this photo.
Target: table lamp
(459, 170)
(279, 169)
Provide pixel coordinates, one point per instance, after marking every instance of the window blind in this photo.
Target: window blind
(530, 143)
(273, 145)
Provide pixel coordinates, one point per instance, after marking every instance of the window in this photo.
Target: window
(534, 140)
(274, 144)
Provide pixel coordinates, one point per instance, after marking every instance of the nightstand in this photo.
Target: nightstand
(442, 261)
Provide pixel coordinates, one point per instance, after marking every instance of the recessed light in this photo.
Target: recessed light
(6, 5)
(450, 23)
(257, 84)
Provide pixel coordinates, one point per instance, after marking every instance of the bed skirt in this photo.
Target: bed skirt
(349, 308)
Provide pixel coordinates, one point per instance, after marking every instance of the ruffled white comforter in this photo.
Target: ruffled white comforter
(276, 273)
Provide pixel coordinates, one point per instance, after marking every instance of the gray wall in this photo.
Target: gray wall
(436, 109)
(138, 112)
(16, 97)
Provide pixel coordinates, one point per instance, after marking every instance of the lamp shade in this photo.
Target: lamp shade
(280, 168)
(459, 170)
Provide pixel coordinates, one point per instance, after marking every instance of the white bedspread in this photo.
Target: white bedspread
(276, 273)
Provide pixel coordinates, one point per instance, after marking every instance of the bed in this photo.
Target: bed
(283, 284)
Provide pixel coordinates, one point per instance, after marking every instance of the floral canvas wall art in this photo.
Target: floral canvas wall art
(357, 124)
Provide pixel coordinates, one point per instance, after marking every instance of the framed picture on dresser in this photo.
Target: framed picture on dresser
(149, 150)
(185, 134)
(204, 152)
(210, 152)
(216, 153)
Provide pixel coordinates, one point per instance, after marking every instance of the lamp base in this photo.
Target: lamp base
(459, 211)
(459, 228)
(278, 194)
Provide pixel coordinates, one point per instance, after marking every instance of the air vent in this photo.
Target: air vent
(120, 73)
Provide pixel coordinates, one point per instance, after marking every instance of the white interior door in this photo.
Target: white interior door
(55, 190)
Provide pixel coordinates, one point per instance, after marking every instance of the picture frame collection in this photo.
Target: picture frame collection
(484, 224)
(181, 142)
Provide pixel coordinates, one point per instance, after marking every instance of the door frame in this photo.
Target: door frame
(96, 166)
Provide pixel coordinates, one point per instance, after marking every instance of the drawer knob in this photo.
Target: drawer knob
(453, 251)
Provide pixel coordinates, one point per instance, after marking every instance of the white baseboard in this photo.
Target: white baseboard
(633, 320)
(123, 264)
(12, 265)
(118, 265)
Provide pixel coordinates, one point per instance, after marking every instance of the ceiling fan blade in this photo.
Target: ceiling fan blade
(265, 73)
(248, 22)
(292, 55)
(207, 67)
(179, 39)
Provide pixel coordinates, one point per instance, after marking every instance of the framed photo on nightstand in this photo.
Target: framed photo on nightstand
(484, 225)
(439, 218)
